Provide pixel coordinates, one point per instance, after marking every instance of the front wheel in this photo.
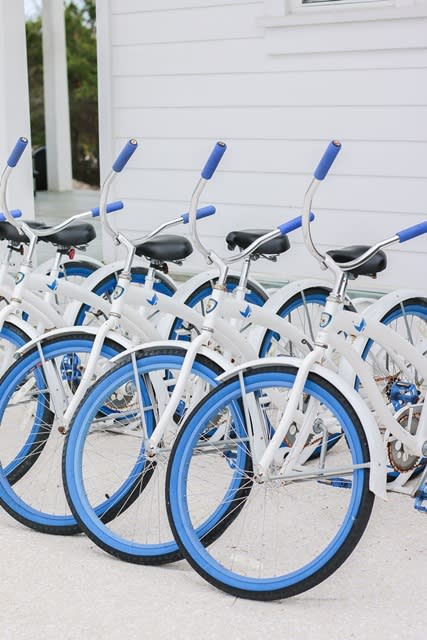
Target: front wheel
(114, 489)
(34, 393)
(293, 529)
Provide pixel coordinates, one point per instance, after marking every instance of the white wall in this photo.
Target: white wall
(180, 74)
(14, 103)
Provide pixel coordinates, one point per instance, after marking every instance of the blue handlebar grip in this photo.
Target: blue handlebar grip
(203, 212)
(17, 152)
(327, 160)
(124, 155)
(293, 224)
(111, 206)
(16, 213)
(213, 160)
(412, 232)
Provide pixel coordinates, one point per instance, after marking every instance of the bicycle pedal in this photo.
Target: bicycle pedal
(339, 483)
(420, 498)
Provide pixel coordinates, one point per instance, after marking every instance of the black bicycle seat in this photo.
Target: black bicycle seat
(73, 236)
(374, 265)
(11, 233)
(244, 238)
(164, 248)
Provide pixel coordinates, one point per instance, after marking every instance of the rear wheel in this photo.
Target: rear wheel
(198, 300)
(88, 315)
(408, 318)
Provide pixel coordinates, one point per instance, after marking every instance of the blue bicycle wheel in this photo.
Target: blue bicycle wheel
(293, 529)
(106, 457)
(33, 395)
(12, 339)
(409, 319)
(77, 269)
(303, 310)
(199, 298)
(106, 287)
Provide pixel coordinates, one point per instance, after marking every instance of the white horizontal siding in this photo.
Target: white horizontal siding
(184, 74)
(195, 24)
(391, 159)
(383, 87)
(247, 56)
(350, 36)
(146, 6)
(338, 192)
(308, 123)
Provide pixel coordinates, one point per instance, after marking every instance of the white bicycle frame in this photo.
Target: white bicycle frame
(335, 320)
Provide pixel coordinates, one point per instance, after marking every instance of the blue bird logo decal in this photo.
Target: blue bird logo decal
(153, 300)
(246, 312)
(359, 327)
(53, 285)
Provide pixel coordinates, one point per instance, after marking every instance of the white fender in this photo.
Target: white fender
(380, 307)
(279, 298)
(98, 276)
(68, 333)
(263, 319)
(378, 469)
(214, 356)
(45, 266)
(186, 289)
(33, 305)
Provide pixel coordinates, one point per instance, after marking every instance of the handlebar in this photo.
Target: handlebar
(213, 160)
(412, 232)
(320, 174)
(203, 212)
(327, 160)
(111, 206)
(293, 224)
(17, 152)
(125, 154)
(16, 213)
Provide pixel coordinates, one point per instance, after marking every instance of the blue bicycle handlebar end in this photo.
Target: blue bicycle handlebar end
(203, 212)
(17, 152)
(111, 206)
(412, 232)
(327, 160)
(125, 155)
(213, 160)
(16, 213)
(293, 224)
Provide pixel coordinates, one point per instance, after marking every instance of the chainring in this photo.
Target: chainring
(400, 459)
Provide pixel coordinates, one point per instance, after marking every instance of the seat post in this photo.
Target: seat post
(340, 286)
(54, 271)
(150, 278)
(240, 290)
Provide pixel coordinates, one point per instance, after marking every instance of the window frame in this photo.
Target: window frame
(294, 12)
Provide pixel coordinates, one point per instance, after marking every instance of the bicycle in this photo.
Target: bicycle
(296, 519)
(54, 366)
(149, 427)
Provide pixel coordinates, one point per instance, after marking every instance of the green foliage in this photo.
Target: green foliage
(80, 29)
(35, 80)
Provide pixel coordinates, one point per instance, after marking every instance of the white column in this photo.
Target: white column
(56, 106)
(14, 103)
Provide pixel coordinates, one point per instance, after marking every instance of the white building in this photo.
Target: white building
(275, 79)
